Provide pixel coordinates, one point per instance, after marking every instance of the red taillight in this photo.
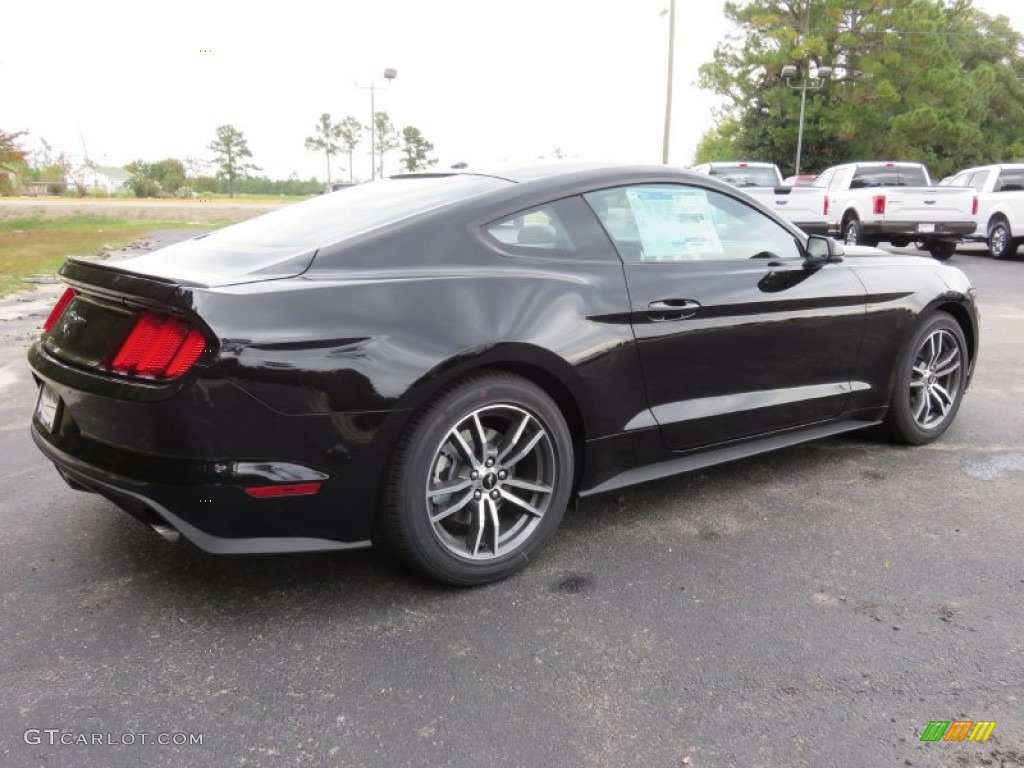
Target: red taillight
(974, 206)
(187, 354)
(159, 347)
(826, 206)
(878, 205)
(277, 491)
(58, 309)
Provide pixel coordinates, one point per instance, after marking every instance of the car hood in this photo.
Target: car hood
(863, 250)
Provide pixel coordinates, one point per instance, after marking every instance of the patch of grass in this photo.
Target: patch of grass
(38, 245)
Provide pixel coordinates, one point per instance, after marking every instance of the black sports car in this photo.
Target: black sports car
(443, 361)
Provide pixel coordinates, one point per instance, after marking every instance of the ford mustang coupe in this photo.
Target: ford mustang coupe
(441, 362)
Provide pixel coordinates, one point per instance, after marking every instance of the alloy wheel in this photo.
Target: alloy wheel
(491, 482)
(935, 379)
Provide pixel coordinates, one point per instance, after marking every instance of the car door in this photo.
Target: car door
(736, 336)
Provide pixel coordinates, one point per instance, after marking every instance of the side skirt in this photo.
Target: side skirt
(699, 460)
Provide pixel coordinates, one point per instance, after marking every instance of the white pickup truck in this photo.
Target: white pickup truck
(804, 206)
(1000, 216)
(871, 202)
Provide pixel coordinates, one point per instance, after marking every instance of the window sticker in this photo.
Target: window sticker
(674, 223)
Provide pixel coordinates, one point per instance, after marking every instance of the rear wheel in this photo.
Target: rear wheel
(481, 480)
(930, 381)
(851, 231)
(1001, 244)
(942, 251)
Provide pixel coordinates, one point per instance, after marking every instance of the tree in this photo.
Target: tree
(386, 138)
(231, 151)
(415, 149)
(12, 159)
(326, 139)
(350, 131)
(935, 81)
(164, 178)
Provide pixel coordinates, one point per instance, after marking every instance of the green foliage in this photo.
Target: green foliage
(160, 179)
(386, 138)
(415, 149)
(231, 152)
(719, 143)
(12, 160)
(326, 139)
(350, 132)
(926, 80)
(261, 185)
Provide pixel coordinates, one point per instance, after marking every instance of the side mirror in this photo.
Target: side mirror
(820, 250)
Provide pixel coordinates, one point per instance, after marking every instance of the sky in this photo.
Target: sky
(487, 82)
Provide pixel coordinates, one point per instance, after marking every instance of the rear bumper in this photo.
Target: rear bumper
(140, 500)
(184, 461)
(944, 230)
(813, 227)
(152, 503)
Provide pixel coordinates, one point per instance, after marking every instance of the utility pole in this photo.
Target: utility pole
(668, 89)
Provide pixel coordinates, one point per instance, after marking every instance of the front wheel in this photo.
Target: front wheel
(929, 384)
(1001, 244)
(480, 481)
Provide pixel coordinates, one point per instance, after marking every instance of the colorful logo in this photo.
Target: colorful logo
(958, 730)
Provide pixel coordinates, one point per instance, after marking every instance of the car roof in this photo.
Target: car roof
(1000, 166)
(534, 184)
(736, 164)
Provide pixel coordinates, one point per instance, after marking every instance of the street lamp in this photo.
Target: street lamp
(805, 83)
(389, 75)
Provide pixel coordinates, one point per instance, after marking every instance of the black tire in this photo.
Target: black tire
(1001, 244)
(471, 439)
(942, 251)
(851, 232)
(929, 382)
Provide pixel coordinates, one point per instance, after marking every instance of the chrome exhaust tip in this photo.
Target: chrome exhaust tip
(167, 532)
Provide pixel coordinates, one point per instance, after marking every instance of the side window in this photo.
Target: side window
(1010, 180)
(676, 222)
(825, 179)
(560, 229)
(978, 179)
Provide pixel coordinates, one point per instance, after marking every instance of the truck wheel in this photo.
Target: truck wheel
(1000, 242)
(942, 251)
(851, 231)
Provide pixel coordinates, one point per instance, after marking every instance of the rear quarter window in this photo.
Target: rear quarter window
(561, 229)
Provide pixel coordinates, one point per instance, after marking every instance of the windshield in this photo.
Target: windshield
(336, 216)
(747, 176)
(889, 176)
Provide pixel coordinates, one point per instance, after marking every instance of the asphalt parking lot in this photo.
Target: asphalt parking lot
(814, 607)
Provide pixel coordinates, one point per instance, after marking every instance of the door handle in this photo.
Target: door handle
(672, 309)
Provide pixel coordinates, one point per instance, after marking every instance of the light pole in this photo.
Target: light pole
(805, 82)
(389, 75)
(668, 90)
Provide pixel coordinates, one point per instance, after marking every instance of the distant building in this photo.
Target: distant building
(104, 178)
(43, 188)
